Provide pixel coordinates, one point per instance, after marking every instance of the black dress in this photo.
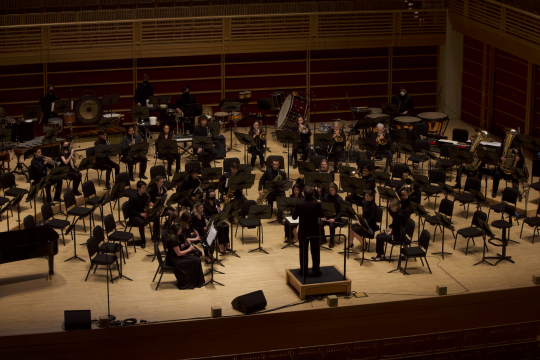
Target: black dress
(223, 227)
(199, 225)
(187, 268)
(369, 212)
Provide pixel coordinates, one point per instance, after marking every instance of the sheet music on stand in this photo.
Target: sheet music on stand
(291, 221)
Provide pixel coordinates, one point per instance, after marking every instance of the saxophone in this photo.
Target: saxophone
(510, 155)
(229, 195)
(476, 162)
(261, 198)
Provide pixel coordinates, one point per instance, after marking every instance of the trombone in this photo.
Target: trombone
(407, 185)
(303, 129)
(383, 140)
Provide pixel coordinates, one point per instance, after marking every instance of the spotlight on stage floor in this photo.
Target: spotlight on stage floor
(331, 282)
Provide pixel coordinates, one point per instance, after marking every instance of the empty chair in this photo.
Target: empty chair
(162, 266)
(446, 207)
(472, 231)
(409, 232)
(419, 251)
(97, 258)
(419, 157)
(8, 182)
(106, 247)
(244, 222)
(445, 160)
(115, 235)
(509, 196)
(92, 152)
(76, 211)
(49, 220)
(29, 222)
(128, 191)
(533, 222)
(435, 176)
(465, 198)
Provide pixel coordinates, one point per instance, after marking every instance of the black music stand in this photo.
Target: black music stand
(178, 177)
(329, 211)
(421, 212)
(167, 147)
(33, 112)
(486, 230)
(139, 113)
(348, 212)
(202, 142)
(15, 202)
(365, 227)
(32, 194)
(421, 180)
(431, 155)
(390, 109)
(214, 221)
(50, 136)
(5, 209)
(116, 193)
(288, 204)
(446, 224)
(245, 140)
(288, 137)
(110, 100)
(488, 158)
(244, 169)
(367, 144)
(305, 167)
(213, 173)
(211, 186)
(86, 164)
(277, 186)
(139, 150)
(386, 193)
(405, 149)
(381, 176)
(479, 198)
(345, 170)
(243, 182)
(260, 212)
(319, 180)
(183, 196)
(104, 123)
(60, 172)
(447, 189)
(71, 228)
(324, 140)
(353, 185)
(233, 208)
(214, 128)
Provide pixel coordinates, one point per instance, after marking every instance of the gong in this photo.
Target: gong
(88, 109)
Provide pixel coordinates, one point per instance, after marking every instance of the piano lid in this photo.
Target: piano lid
(26, 237)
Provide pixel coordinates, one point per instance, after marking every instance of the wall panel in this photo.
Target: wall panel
(536, 103)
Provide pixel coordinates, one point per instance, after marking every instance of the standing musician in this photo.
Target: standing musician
(143, 92)
(383, 150)
(331, 196)
(394, 231)
(46, 102)
(290, 229)
(269, 175)
(337, 147)
(137, 208)
(369, 212)
(226, 178)
(129, 140)
(206, 156)
(193, 181)
(260, 147)
(166, 134)
(67, 158)
(105, 163)
(161, 191)
(309, 212)
(184, 259)
(498, 174)
(304, 144)
(38, 170)
(323, 168)
(404, 102)
(185, 99)
(370, 185)
(198, 225)
(211, 208)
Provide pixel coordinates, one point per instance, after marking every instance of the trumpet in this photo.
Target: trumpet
(55, 163)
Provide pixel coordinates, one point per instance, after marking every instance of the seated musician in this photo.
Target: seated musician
(305, 141)
(226, 178)
(331, 196)
(369, 212)
(416, 195)
(192, 182)
(184, 258)
(323, 168)
(370, 185)
(185, 99)
(498, 174)
(290, 229)
(260, 147)
(461, 169)
(38, 170)
(166, 134)
(383, 150)
(405, 203)
(404, 102)
(394, 231)
(143, 92)
(138, 211)
(67, 158)
(105, 163)
(211, 208)
(129, 140)
(339, 146)
(159, 190)
(198, 223)
(206, 156)
(269, 175)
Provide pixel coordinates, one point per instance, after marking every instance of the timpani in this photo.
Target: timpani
(376, 110)
(378, 118)
(405, 122)
(435, 121)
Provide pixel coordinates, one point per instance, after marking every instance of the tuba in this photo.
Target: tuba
(476, 162)
(509, 154)
(261, 198)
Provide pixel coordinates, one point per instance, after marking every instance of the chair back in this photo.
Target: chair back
(109, 223)
(193, 164)
(29, 222)
(436, 176)
(460, 135)
(420, 145)
(379, 214)
(421, 129)
(91, 151)
(165, 241)
(409, 229)
(158, 170)
(510, 195)
(98, 233)
(69, 199)
(158, 255)
(316, 160)
(88, 189)
(123, 177)
(423, 240)
(363, 162)
(444, 150)
(245, 208)
(478, 215)
(398, 170)
(46, 212)
(228, 162)
(93, 246)
(7, 180)
(472, 183)
(446, 207)
(279, 158)
(125, 213)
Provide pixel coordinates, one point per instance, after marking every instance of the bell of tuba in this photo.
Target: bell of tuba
(509, 154)
(476, 162)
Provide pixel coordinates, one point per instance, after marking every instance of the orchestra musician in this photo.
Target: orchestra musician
(498, 174)
(269, 175)
(225, 179)
(369, 212)
(161, 191)
(260, 147)
(185, 99)
(461, 169)
(137, 209)
(394, 231)
(192, 182)
(383, 150)
(143, 92)
(416, 195)
(46, 102)
(67, 158)
(198, 225)
(304, 143)
(38, 170)
(182, 256)
(129, 140)
(404, 102)
(331, 196)
(370, 185)
(290, 229)
(206, 156)
(166, 134)
(105, 163)
(211, 208)
(323, 168)
(405, 202)
(339, 146)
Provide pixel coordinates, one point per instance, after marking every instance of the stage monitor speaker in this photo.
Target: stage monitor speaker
(219, 144)
(249, 303)
(77, 319)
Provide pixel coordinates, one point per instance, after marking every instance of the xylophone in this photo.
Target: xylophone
(114, 135)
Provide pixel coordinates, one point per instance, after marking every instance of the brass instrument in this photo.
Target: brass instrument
(198, 191)
(407, 185)
(476, 162)
(338, 138)
(383, 140)
(55, 163)
(263, 136)
(229, 195)
(356, 174)
(208, 131)
(510, 155)
(265, 194)
(303, 129)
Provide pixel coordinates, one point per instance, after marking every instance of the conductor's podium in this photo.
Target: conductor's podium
(332, 281)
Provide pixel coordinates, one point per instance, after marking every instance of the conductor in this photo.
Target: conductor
(309, 212)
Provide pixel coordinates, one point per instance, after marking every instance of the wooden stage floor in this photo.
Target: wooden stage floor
(31, 304)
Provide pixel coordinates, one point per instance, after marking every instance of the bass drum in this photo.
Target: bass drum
(292, 107)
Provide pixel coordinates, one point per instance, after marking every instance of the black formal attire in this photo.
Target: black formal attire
(398, 221)
(498, 174)
(206, 156)
(225, 187)
(199, 225)
(154, 192)
(211, 209)
(287, 226)
(73, 175)
(186, 99)
(416, 195)
(187, 268)
(404, 103)
(137, 203)
(45, 102)
(190, 183)
(38, 170)
(309, 213)
(143, 93)
(269, 175)
(335, 200)
(357, 199)
(319, 193)
(105, 163)
(258, 150)
(188, 233)
(369, 213)
(383, 150)
(130, 159)
(304, 144)
(338, 149)
(169, 157)
(407, 208)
